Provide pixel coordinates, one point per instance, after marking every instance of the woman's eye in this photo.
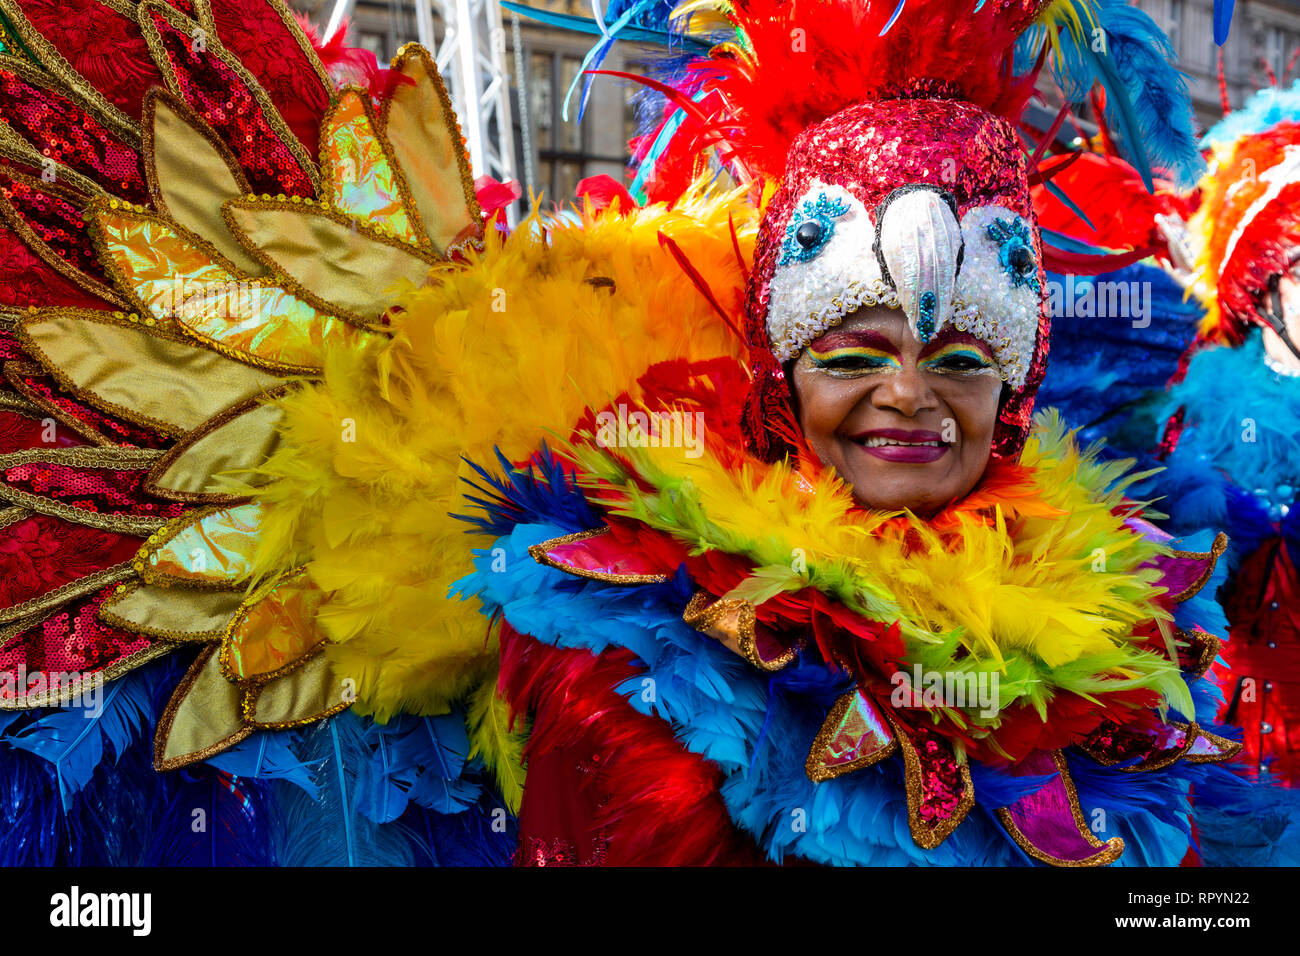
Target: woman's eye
(961, 363)
(849, 361)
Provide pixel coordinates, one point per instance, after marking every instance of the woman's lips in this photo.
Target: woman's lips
(902, 445)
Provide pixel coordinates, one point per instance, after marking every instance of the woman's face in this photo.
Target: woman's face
(907, 424)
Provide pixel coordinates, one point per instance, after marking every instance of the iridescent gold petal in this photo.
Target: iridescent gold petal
(202, 718)
(307, 694)
(273, 631)
(264, 325)
(332, 261)
(208, 548)
(361, 178)
(419, 122)
(130, 367)
(170, 613)
(190, 173)
(235, 441)
(158, 262)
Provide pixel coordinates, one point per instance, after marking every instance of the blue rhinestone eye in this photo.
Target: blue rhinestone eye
(810, 228)
(1015, 251)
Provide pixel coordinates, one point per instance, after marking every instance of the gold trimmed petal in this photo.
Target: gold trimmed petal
(358, 171)
(1107, 852)
(202, 719)
(169, 614)
(335, 262)
(129, 367)
(422, 127)
(237, 440)
(191, 172)
(308, 693)
(158, 262)
(206, 548)
(274, 630)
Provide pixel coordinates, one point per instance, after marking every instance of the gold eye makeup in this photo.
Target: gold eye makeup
(958, 358)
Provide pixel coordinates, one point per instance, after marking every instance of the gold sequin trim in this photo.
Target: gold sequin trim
(399, 174)
(539, 554)
(1157, 762)
(66, 695)
(1109, 851)
(1212, 557)
(1208, 645)
(326, 211)
(1227, 749)
(52, 259)
(714, 618)
(123, 591)
(186, 112)
(409, 51)
(17, 148)
(65, 592)
(162, 764)
(14, 372)
(227, 636)
(163, 536)
(124, 320)
(253, 692)
(71, 84)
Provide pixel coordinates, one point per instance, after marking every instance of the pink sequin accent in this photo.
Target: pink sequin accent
(941, 781)
(68, 134)
(225, 103)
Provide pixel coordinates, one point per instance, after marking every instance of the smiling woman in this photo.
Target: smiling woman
(907, 424)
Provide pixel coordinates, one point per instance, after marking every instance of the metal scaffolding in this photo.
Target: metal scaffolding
(472, 61)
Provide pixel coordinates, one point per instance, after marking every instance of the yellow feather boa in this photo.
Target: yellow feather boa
(498, 352)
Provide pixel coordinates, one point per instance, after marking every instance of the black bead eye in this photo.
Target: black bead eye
(809, 233)
(1021, 259)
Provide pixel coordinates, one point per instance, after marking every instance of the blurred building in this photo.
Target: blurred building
(553, 154)
(1264, 38)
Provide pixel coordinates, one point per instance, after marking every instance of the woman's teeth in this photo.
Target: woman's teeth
(878, 442)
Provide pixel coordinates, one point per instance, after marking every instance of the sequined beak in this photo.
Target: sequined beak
(919, 247)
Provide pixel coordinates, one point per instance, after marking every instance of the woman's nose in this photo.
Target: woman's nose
(906, 392)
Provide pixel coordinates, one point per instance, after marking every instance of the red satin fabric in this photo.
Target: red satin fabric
(1264, 656)
(606, 784)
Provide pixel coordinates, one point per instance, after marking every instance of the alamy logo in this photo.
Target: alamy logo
(931, 689)
(76, 909)
(641, 429)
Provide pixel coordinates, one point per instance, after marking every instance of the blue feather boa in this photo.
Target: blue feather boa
(756, 728)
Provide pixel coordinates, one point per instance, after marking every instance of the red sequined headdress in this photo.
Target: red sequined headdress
(892, 132)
